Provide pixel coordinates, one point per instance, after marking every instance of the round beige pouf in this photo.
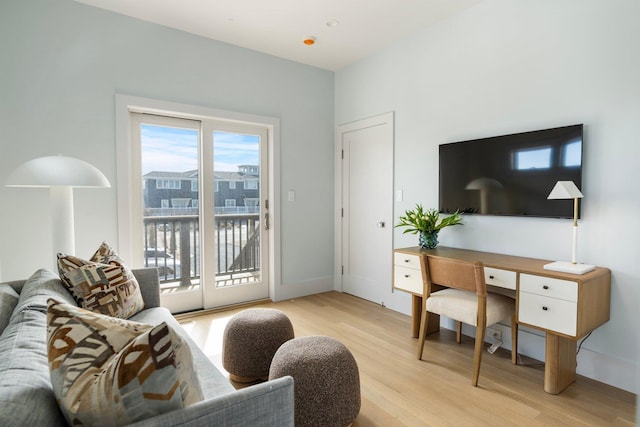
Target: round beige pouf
(325, 377)
(250, 340)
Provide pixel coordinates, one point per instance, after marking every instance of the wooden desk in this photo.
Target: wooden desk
(565, 306)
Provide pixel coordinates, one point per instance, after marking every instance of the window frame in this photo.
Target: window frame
(172, 184)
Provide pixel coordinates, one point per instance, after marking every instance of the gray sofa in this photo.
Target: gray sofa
(26, 396)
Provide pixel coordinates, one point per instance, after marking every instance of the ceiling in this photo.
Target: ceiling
(278, 27)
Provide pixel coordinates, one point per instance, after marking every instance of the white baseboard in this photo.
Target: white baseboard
(609, 370)
(287, 291)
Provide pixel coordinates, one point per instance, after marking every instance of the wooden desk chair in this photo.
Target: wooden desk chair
(466, 300)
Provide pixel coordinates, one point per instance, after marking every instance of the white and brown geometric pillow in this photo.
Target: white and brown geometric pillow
(110, 371)
(103, 284)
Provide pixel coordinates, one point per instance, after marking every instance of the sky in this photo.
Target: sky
(176, 149)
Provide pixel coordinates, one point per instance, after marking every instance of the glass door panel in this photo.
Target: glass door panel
(169, 161)
(240, 210)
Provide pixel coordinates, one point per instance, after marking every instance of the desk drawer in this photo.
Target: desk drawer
(548, 313)
(406, 260)
(407, 279)
(500, 278)
(549, 287)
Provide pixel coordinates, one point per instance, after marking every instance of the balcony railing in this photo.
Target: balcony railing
(172, 244)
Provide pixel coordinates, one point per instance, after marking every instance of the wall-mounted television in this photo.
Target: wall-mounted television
(511, 174)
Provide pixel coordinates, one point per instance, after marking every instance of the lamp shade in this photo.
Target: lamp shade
(565, 190)
(51, 171)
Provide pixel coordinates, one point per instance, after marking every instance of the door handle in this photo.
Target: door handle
(266, 221)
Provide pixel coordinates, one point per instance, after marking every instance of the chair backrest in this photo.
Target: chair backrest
(454, 273)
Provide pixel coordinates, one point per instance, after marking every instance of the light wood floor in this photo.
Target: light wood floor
(399, 390)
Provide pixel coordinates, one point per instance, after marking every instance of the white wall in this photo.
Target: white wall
(62, 63)
(507, 66)
(501, 67)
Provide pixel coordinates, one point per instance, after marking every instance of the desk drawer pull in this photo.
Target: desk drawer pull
(407, 276)
(492, 277)
(407, 260)
(545, 286)
(545, 308)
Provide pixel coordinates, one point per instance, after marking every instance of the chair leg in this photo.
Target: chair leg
(514, 340)
(458, 332)
(477, 354)
(424, 323)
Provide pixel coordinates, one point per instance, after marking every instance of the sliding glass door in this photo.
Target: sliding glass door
(203, 209)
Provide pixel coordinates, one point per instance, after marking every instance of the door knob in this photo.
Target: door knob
(381, 224)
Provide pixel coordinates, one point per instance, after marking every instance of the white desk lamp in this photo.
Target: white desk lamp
(60, 174)
(568, 190)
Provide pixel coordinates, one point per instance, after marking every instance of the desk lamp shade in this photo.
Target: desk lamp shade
(60, 174)
(568, 190)
(565, 190)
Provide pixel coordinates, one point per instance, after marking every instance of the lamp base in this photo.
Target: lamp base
(569, 267)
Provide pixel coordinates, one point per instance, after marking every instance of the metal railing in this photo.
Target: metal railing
(172, 244)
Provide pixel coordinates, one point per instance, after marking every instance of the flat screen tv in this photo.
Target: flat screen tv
(511, 174)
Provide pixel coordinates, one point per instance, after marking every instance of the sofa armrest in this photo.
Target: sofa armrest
(149, 285)
(16, 285)
(262, 405)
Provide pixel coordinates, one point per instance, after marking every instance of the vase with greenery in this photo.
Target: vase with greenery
(428, 223)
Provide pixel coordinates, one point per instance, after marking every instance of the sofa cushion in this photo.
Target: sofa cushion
(42, 285)
(114, 371)
(8, 301)
(26, 396)
(103, 283)
(211, 379)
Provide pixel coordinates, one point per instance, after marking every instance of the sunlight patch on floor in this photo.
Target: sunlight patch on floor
(208, 336)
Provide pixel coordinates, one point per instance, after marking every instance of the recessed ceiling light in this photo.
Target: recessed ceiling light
(331, 23)
(309, 40)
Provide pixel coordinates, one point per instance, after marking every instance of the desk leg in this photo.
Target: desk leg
(416, 317)
(416, 314)
(560, 363)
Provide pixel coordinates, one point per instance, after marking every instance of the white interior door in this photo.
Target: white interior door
(367, 203)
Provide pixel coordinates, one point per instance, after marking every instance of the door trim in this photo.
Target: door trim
(125, 104)
(341, 130)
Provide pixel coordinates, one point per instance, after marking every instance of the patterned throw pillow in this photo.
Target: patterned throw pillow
(109, 371)
(103, 283)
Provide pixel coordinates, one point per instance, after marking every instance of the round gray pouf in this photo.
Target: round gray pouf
(325, 377)
(250, 340)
